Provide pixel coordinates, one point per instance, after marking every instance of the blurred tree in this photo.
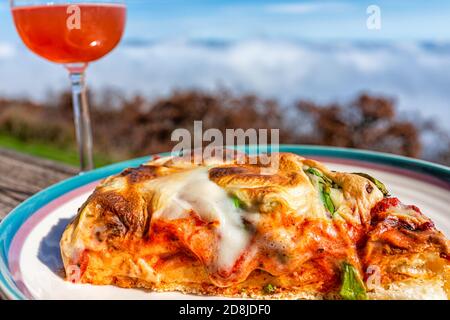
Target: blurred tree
(136, 126)
(367, 123)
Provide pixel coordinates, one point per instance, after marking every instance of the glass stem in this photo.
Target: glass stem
(82, 120)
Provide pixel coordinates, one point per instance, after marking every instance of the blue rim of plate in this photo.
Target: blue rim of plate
(15, 219)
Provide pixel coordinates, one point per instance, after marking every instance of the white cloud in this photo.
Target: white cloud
(6, 50)
(305, 8)
(411, 73)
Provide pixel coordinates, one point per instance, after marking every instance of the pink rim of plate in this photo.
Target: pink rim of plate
(30, 224)
(35, 219)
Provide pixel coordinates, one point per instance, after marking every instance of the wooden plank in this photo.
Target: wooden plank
(21, 176)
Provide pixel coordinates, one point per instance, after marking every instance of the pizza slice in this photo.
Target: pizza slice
(244, 230)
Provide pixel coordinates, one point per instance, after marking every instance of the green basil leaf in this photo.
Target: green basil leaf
(238, 203)
(329, 205)
(377, 182)
(319, 174)
(324, 185)
(315, 172)
(269, 288)
(352, 287)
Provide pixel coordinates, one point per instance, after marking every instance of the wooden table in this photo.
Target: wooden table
(21, 176)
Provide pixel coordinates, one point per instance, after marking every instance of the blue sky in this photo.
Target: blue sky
(236, 19)
(263, 59)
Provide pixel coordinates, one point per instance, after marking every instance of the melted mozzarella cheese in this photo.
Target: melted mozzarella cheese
(178, 194)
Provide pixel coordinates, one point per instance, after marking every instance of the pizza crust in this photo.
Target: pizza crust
(129, 233)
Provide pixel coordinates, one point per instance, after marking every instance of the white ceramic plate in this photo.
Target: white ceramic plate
(31, 265)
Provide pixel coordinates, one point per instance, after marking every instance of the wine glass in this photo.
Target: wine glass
(72, 33)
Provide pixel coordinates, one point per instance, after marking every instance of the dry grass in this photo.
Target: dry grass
(126, 128)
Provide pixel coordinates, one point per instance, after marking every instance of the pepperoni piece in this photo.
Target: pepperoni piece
(83, 262)
(384, 205)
